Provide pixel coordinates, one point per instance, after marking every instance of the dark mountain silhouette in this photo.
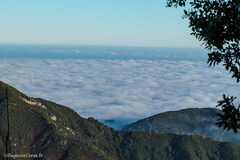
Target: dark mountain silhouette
(40, 126)
(193, 121)
(58, 133)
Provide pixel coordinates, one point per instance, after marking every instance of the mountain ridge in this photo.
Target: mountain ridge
(59, 133)
(191, 121)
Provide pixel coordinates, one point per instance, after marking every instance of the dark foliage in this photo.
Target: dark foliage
(231, 117)
(216, 23)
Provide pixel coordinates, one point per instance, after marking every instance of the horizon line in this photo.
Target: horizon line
(96, 45)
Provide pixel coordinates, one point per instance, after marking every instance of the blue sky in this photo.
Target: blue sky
(96, 22)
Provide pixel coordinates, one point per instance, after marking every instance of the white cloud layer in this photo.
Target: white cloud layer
(120, 89)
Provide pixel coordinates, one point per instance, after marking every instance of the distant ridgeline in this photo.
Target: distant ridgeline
(40, 127)
(193, 121)
(99, 52)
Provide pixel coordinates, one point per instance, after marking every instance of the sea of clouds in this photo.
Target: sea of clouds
(119, 89)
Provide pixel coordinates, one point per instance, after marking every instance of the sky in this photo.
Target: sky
(95, 22)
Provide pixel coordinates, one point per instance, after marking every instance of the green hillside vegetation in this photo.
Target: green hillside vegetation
(193, 121)
(142, 146)
(59, 133)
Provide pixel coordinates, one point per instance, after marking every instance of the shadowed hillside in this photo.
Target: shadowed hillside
(40, 126)
(194, 121)
(37, 126)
